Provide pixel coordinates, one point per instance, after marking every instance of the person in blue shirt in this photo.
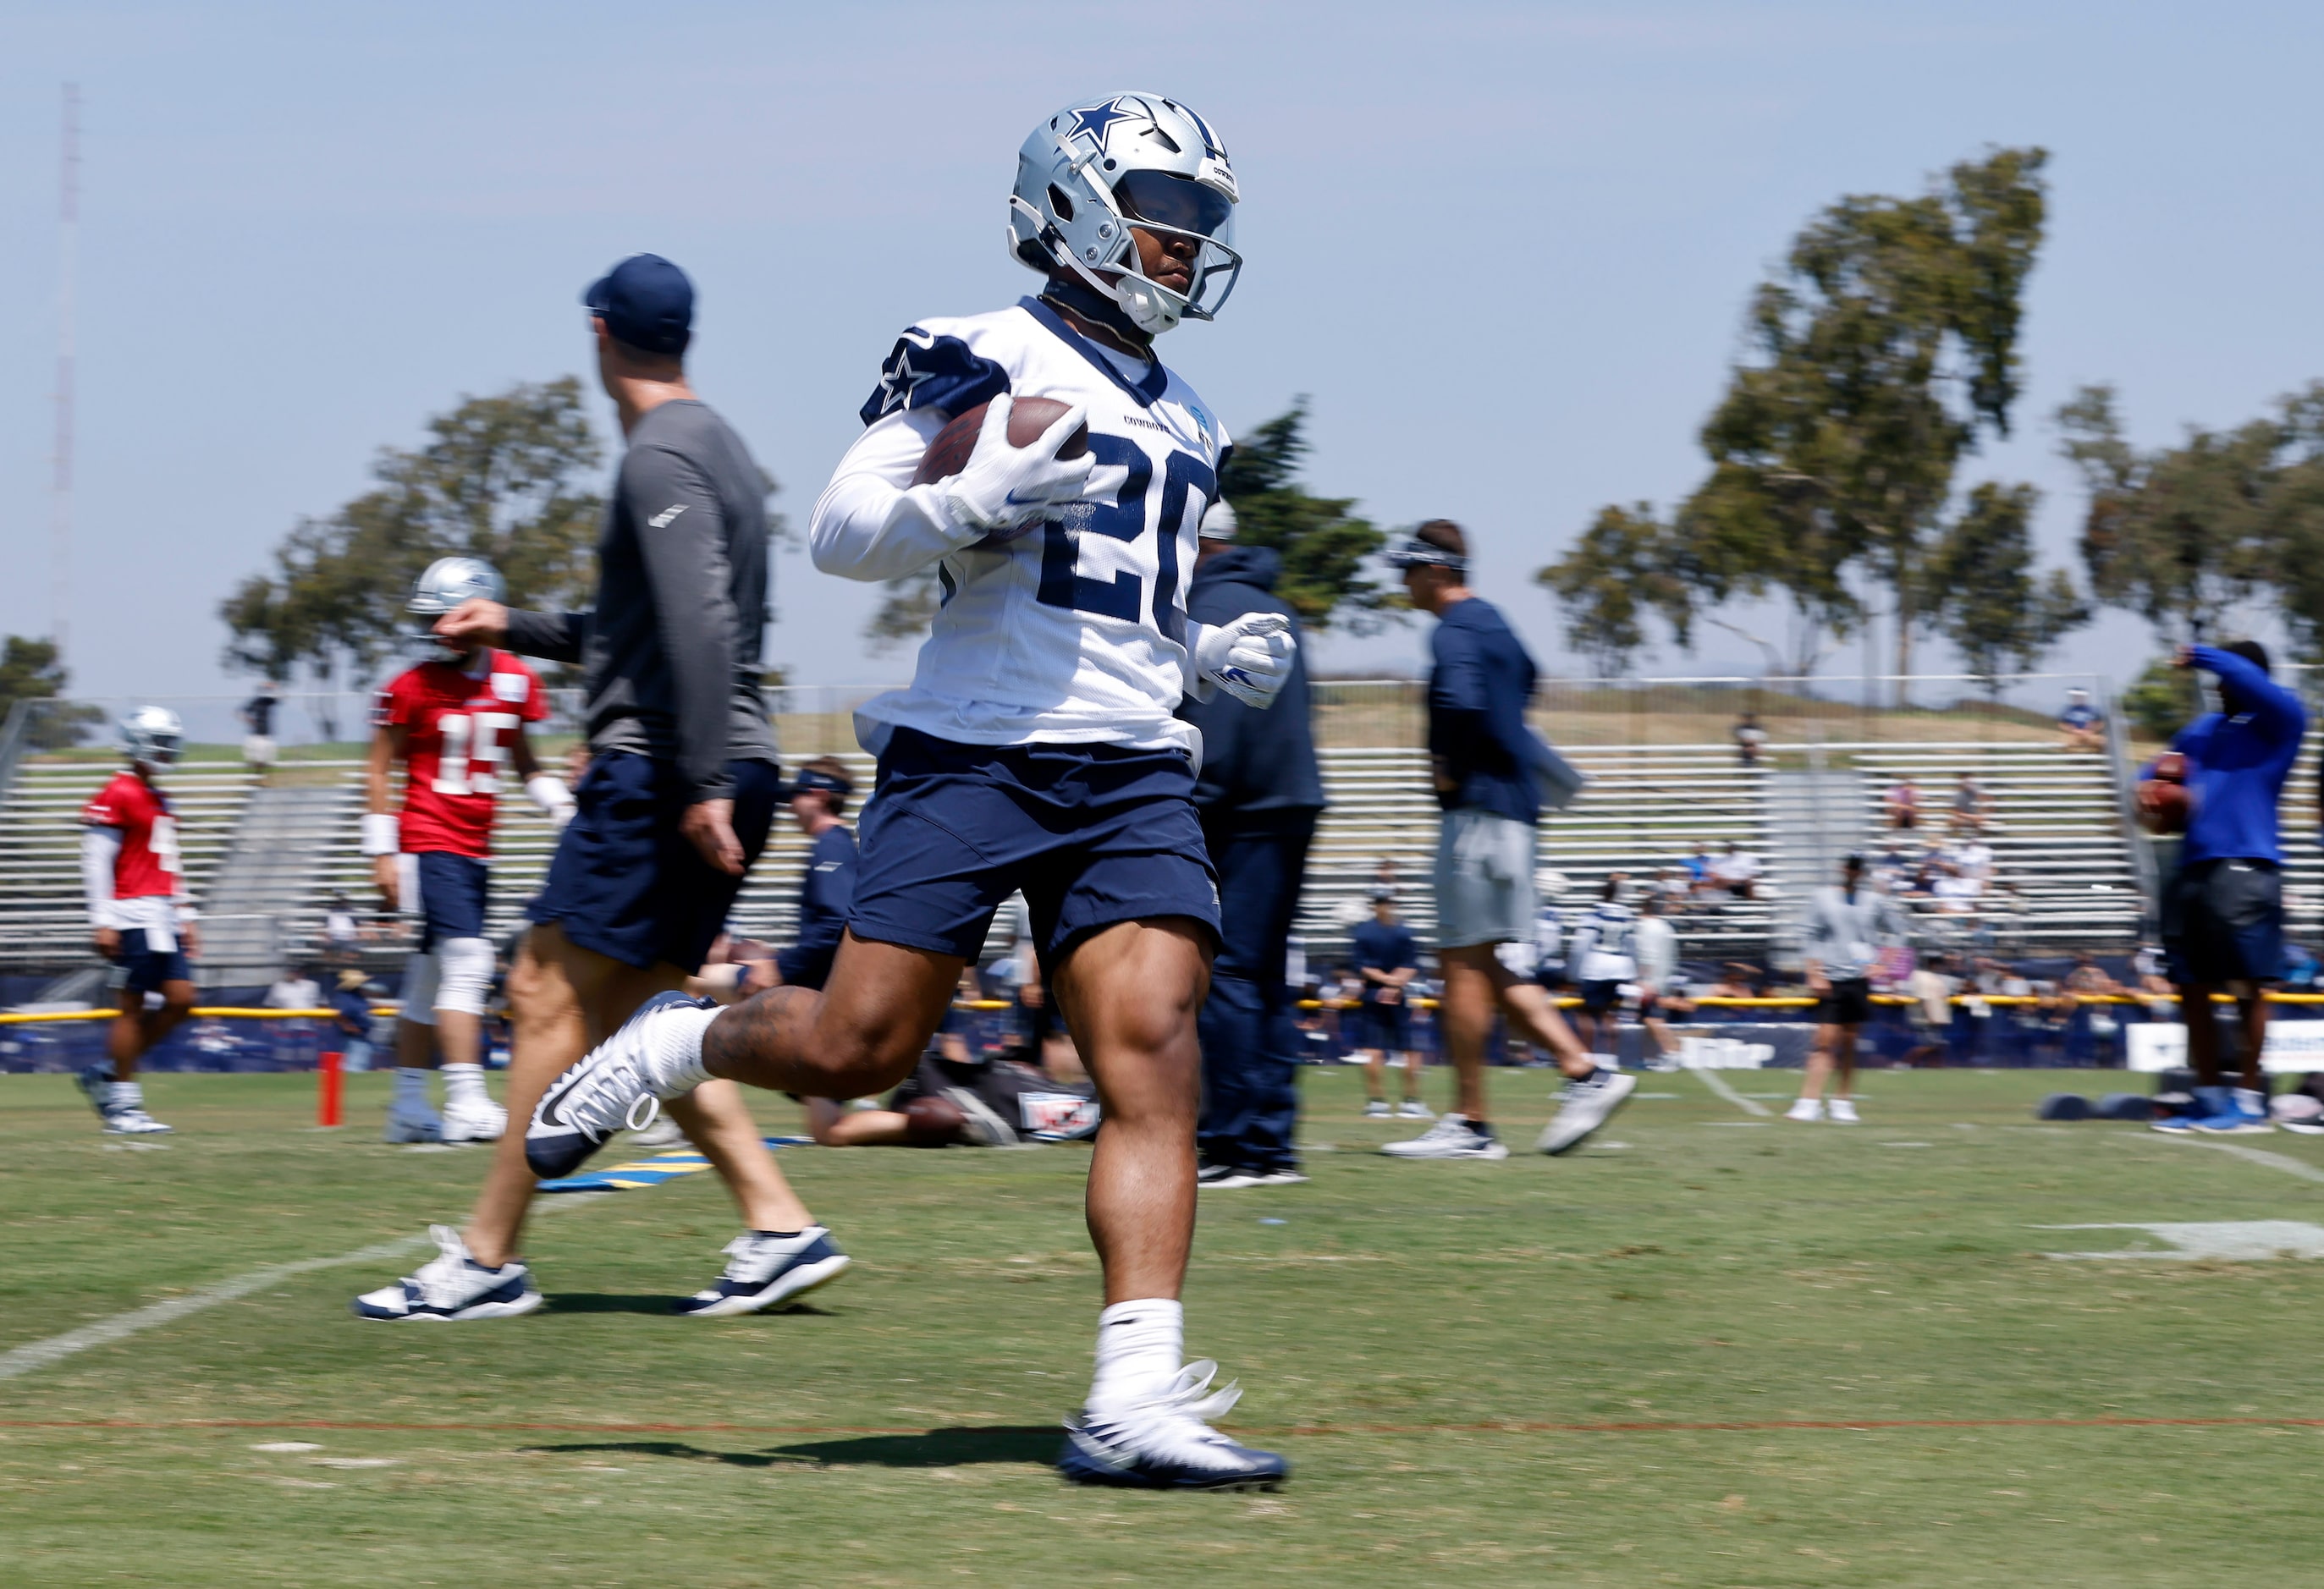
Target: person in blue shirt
(2223, 912)
(2082, 727)
(1387, 958)
(1483, 756)
(819, 796)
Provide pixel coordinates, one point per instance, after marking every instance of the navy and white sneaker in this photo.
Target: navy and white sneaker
(1166, 1445)
(451, 1288)
(764, 1268)
(96, 1084)
(120, 1105)
(620, 1084)
(1586, 1104)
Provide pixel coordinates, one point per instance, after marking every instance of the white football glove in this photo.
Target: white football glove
(1002, 489)
(1249, 658)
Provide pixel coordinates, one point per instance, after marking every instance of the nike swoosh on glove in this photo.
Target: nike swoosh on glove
(1249, 658)
(1001, 488)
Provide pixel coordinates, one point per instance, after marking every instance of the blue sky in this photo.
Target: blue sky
(1503, 248)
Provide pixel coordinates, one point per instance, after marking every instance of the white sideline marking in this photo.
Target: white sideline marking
(36, 1354)
(1718, 1084)
(2289, 1165)
(2247, 1241)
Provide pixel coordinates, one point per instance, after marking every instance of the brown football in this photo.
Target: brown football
(933, 1121)
(2162, 799)
(1029, 417)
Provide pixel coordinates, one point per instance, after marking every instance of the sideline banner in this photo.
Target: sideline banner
(2292, 1048)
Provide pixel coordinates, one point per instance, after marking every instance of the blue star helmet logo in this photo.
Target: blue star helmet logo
(1096, 119)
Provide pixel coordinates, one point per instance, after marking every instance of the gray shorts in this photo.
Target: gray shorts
(1484, 880)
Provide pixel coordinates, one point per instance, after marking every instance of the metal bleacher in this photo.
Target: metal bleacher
(43, 917)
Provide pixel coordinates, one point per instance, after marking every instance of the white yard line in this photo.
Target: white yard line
(37, 1354)
(2289, 1165)
(1718, 1084)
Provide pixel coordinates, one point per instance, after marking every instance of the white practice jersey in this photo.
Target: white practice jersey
(1655, 942)
(1075, 632)
(1601, 944)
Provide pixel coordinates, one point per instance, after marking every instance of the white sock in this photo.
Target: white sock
(125, 1095)
(674, 1057)
(411, 1088)
(464, 1084)
(1139, 1352)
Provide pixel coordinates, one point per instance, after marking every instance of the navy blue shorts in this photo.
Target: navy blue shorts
(2224, 923)
(1387, 1027)
(626, 883)
(1598, 997)
(1094, 834)
(446, 893)
(147, 967)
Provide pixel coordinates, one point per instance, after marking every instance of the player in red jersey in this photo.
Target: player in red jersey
(139, 915)
(457, 722)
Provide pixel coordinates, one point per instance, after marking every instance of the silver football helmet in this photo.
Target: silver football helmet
(446, 582)
(152, 735)
(1091, 172)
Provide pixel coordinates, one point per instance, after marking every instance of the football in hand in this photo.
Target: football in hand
(2162, 798)
(1029, 417)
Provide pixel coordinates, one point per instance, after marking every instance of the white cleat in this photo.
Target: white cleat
(1166, 1443)
(133, 1121)
(1377, 1109)
(474, 1120)
(1452, 1137)
(1841, 1111)
(451, 1288)
(1807, 1110)
(1586, 1105)
(411, 1121)
(1412, 1109)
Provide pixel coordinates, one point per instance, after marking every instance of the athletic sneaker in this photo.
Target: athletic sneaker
(411, 1120)
(1167, 1445)
(452, 1288)
(1377, 1109)
(473, 1120)
(2228, 1111)
(131, 1120)
(619, 1085)
(1841, 1111)
(96, 1084)
(2173, 1125)
(1286, 1176)
(1412, 1109)
(1589, 1104)
(1806, 1109)
(120, 1105)
(1452, 1137)
(764, 1267)
(1224, 1177)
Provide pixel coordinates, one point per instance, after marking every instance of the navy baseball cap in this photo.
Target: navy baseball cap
(646, 302)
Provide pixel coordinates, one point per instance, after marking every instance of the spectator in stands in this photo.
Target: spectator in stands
(351, 1020)
(1388, 959)
(1903, 805)
(1750, 739)
(1968, 804)
(1956, 894)
(258, 720)
(1673, 886)
(1735, 873)
(1736, 980)
(1485, 760)
(1975, 859)
(1891, 870)
(2223, 913)
(295, 990)
(339, 927)
(1932, 986)
(1258, 793)
(2079, 726)
(1698, 869)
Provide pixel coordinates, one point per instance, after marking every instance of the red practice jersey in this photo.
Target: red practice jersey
(458, 729)
(148, 863)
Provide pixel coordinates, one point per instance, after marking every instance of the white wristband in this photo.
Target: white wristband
(382, 834)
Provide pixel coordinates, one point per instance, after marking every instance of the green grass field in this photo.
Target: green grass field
(1486, 1373)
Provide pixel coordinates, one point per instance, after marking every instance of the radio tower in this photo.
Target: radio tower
(68, 250)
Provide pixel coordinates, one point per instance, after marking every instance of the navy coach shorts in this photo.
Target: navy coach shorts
(2228, 923)
(145, 967)
(444, 893)
(1387, 1027)
(626, 883)
(1094, 834)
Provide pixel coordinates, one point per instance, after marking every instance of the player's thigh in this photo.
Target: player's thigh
(1131, 993)
(879, 1006)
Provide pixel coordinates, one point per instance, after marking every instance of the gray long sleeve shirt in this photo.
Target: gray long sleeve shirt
(1846, 933)
(670, 654)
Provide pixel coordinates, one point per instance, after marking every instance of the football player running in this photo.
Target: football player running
(1036, 748)
(140, 916)
(456, 722)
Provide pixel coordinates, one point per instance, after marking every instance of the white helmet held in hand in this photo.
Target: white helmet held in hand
(152, 735)
(1091, 172)
(446, 582)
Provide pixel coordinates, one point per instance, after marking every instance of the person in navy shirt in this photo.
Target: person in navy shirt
(1387, 958)
(2083, 728)
(2223, 912)
(819, 796)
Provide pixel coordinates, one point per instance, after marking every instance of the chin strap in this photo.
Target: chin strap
(1090, 304)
